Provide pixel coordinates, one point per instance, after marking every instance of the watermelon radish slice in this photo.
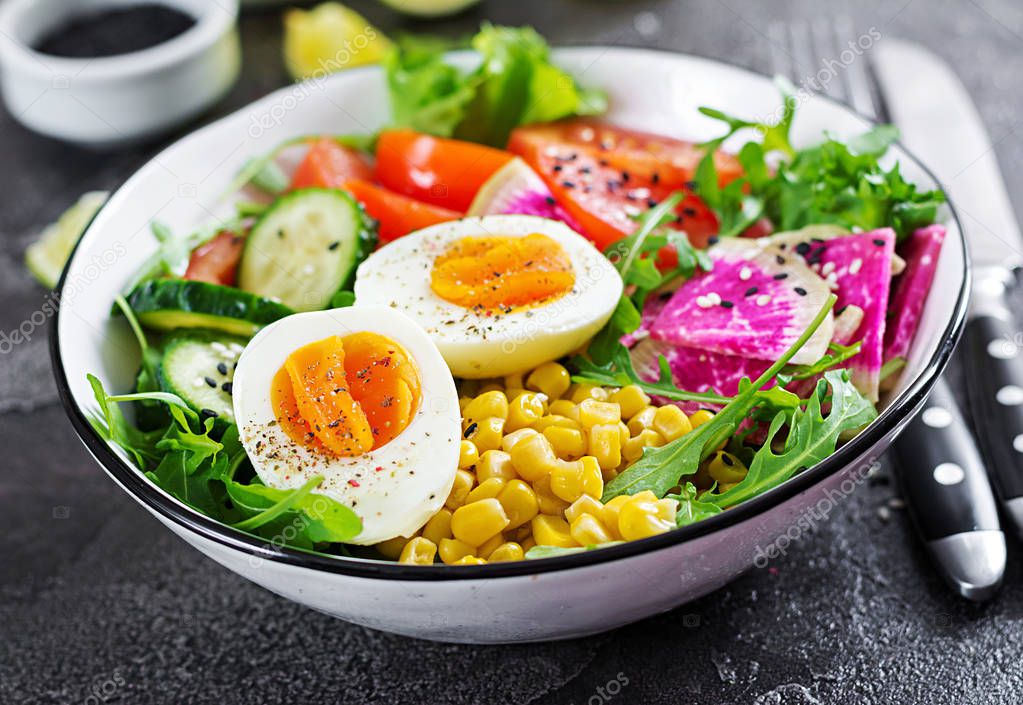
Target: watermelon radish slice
(515, 189)
(754, 303)
(921, 253)
(695, 370)
(804, 240)
(858, 268)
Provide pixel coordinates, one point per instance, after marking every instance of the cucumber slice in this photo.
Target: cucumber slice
(198, 366)
(305, 248)
(169, 304)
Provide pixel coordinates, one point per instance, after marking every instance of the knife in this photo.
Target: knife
(941, 472)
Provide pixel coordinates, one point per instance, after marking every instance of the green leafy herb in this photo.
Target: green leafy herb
(835, 356)
(891, 367)
(323, 520)
(811, 438)
(554, 551)
(691, 508)
(660, 469)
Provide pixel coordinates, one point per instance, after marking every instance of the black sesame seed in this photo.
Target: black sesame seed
(469, 430)
(803, 248)
(727, 304)
(625, 176)
(879, 242)
(779, 259)
(727, 460)
(210, 381)
(691, 212)
(585, 170)
(568, 184)
(692, 186)
(550, 200)
(651, 202)
(779, 277)
(227, 387)
(222, 368)
(207, 414)
(800, 290)
(752, 290)
(334, 245)
(713, 240)
(841, 310)
(557, 167)
(665, 295)
(656, 178)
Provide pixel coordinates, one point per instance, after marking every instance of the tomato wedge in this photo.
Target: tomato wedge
(602, 197)
(397, 215)
(660, 160)
(216, 261)
(444, 172)
(328, 164)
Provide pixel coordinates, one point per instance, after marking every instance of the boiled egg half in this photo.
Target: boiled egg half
(360, 397)
(497, 294)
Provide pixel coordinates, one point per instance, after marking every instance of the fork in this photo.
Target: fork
(828, 58)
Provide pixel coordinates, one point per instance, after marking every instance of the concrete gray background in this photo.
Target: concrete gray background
(98, 603)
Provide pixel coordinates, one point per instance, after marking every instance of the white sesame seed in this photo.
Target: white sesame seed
(218, 347)
(854, 268)
(828, 268)
(703, 302)
(714, 298)
(745, 273)
(763, 300)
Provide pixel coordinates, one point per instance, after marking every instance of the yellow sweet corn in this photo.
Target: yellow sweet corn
(508, 551)
(533, 457)
(572, 480)
(584, 505)
(510, 439)
(486, 434)
(700, 417)
(564, 407)
(470, 560)
(671, 422)
(550, 378)
(418, 551)
(438, 527)
(568, 443)
(593, 413)
(525, 410)
(605, 444)
(476, 523)
(632, 450)
(488, 489)
(464, 481)
(545, 422)
(644, 419)
(725, 468)
(490, 546)
(610, 514)
(630, 400)
(467, 455)
(492, 404)
(450, 550)
(587, 530)
(643, 517)
(392, 548)
(495, 464)
(552, 531)
(519, 501)
(547, 501)
(580, 392)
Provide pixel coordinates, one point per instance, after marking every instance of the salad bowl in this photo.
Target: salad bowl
(553, 598)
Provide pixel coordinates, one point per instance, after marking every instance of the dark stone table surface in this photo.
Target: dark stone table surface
(99, 603)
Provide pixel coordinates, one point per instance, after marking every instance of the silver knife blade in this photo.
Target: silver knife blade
(949, 137)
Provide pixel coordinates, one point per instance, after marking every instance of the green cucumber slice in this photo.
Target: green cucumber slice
(199, 366)
(305, 248)
(169, 304)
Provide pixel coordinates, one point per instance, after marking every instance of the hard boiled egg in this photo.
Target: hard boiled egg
(360, 397)
(497, 294)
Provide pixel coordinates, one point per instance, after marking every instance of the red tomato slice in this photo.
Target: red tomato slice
(328, 164)
(660, 160)
(444, 172)
(604, 198)
(397, 215)
(216, 262)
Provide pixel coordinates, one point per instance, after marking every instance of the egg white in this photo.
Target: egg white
(474, 344)
(416, 469)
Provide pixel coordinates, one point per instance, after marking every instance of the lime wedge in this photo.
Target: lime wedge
(46, 257)
(429, 8)
(328, 38)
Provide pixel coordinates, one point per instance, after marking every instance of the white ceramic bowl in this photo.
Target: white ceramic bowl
(508, 602)
(121, 99)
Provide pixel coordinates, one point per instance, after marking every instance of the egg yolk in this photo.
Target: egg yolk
(345, 396)
(488, 273)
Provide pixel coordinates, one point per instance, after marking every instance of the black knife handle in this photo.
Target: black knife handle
(995, 387)
(941, 472)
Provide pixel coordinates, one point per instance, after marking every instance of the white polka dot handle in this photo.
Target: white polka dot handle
(995, 387)
(943, 478)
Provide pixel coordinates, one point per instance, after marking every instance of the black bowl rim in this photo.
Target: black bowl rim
(891, 420)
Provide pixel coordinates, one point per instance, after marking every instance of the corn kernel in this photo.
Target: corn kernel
(725, 468)
(555, 420)
(495, 464)
(490, 546)
(463, 402)
(525, 410)
(584, 505)
(489, 386)
(593, 412)
(475, 523)
(467, 455)
(470, 560)
(605, 444)
(527, 543)
(486, 434)
(550, 378)
(700, 417)
(514, 381)
(572, 480)
(552, 531)
(392, 548)
(547, 501)
(519, 501)
(419, 551)
(725, 486)
(587, 530)
(643, 517)
(580, 392)
(631, 400)
(564, 407)
(568, 443)
(644, 419)
(488, 489)
(438, 527)
(670, 422)
(632, 450)
(489, 404)
(508, 551)
(464, 481)
(510, 439)
(533, 457)
(611, 511)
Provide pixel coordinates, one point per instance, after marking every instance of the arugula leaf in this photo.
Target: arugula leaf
(691, 508)
(660, 469)
(812, 437)
(835, 356)
(112, 427)
(775, 136)
(320, 518)
(553, 551)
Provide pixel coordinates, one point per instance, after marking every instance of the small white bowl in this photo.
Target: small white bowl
(115, 100)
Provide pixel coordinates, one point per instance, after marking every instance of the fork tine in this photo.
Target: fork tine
(856, 73)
